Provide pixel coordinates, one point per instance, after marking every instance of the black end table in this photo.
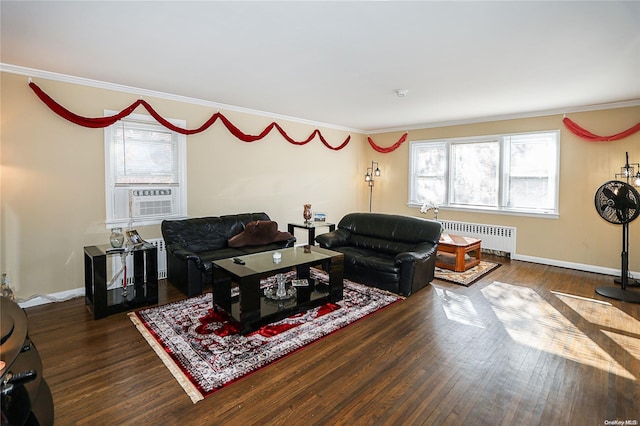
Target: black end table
(103, 301)
(311, 229)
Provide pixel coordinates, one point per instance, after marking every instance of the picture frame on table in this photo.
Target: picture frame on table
(135, 238)
(319, 217)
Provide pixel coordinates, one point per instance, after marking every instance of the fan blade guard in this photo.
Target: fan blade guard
(617, 202)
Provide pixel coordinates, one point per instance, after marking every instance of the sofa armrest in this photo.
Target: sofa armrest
(417, 267)
(185, 255)
(420, 252)
(337, 238)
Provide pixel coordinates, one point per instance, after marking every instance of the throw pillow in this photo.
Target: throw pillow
(258, 233)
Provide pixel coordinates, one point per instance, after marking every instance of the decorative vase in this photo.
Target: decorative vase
(307, 213)
(116, 238)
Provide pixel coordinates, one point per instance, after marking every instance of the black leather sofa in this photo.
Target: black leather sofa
(192, 244)
(390, 252)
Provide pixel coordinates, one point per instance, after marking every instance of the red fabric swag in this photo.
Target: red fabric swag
(587, 135)
(391, 148)
(101, 122)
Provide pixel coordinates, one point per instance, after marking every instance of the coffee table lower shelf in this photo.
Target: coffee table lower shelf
(273, 310)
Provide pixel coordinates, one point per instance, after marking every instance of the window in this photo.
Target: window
(515, 173)
(145, 172)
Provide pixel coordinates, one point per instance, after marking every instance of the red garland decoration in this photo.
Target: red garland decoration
(101, 122)
(591, 137)
(393, 147)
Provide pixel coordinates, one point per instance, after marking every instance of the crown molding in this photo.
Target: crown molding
(48, 75)
(515, 116)
(64, 78)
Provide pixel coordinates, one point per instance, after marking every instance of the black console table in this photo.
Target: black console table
(142, 292)
(311, 229)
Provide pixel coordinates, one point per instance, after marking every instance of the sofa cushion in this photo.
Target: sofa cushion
(257, 233)
(368, 259)
(208, 256)
(370, 268)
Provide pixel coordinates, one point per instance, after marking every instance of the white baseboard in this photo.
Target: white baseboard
(573, 265)
(49, 298)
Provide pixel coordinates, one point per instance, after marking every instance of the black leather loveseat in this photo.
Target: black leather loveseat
(391, 252)
(193, 243)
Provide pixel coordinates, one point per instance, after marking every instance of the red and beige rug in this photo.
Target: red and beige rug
(468, 277)
(204, 351)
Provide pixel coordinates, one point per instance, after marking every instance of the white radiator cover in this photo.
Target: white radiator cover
(162, 256)
(116, 264)
(494, 237)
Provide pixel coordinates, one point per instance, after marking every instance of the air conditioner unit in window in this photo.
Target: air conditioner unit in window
(152, 202)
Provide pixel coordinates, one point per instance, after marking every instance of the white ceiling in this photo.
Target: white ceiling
(340, 63)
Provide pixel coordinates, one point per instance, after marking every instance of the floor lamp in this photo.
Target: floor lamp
(370, 178)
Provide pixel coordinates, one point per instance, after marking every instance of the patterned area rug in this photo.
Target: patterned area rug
(204, 351)
(468, 277)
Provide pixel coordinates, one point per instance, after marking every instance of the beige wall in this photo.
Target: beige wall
(579, 236)
(52, 180)
(52, 177)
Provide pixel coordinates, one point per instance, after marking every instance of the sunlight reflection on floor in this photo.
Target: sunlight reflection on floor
(532, 321)
(459, 308)
(619, 326)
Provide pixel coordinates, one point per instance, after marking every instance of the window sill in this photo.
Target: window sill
(126, 224)
(550, 215)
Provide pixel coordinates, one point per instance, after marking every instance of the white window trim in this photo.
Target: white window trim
(110, 185)
(551, 214)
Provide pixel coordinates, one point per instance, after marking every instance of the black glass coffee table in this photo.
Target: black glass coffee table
(252, 308)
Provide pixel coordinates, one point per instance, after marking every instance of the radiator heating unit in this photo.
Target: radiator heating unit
(495, 238)
(116, 264)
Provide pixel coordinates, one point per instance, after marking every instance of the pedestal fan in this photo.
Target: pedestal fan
(619, 203)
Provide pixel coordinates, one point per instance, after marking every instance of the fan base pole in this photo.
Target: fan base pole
(619, 294)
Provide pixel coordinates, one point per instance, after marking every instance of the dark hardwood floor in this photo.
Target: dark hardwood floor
(538, 347)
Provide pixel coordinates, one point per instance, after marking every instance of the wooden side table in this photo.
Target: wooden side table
(144, 291)
(311, 229)
(458, 253)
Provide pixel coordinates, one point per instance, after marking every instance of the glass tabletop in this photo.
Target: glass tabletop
(259, 263)
(107, 249)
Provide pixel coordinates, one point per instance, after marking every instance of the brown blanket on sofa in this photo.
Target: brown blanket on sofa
(258, 233)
